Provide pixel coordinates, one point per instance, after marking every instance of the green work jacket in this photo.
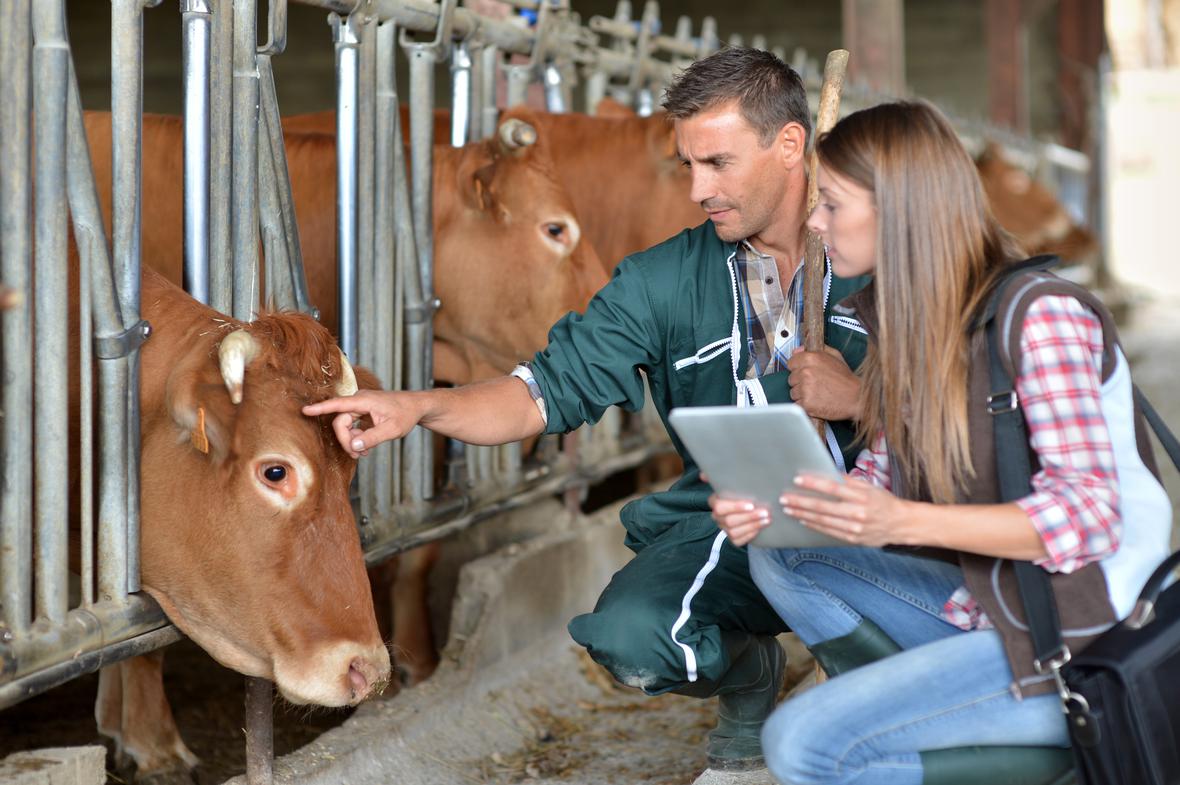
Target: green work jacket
(669, 314)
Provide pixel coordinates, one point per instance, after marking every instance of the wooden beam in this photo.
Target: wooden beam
(874, 35)
(1006, 64)
(1081, 38)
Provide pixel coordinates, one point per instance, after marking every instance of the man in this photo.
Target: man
(711, 316)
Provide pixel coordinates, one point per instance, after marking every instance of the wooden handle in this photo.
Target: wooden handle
(813, 271)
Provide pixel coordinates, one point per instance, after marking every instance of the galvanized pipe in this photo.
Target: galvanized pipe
(345, 38)
(554, 90)
(279, 285)
(51, 466)
(221, 157)
(489, 107)
(461, 90)
(365, 304)
(386, 468)
(195, 49)
(16, 513)
(422, 58)
(519, 77)
(475, 99)
(244, 216)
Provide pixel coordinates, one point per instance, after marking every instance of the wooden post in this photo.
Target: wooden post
(875, 30)
(1007, 65)
(813, 271)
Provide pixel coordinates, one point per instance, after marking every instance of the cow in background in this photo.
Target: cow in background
(248, 540)
(1028, 210)
(625, 182)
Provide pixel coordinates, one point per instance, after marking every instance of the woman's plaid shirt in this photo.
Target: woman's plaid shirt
(1074, 504)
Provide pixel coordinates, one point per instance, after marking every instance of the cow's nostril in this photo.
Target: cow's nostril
(357, 679)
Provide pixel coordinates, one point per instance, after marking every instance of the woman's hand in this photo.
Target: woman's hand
(740, 519)
(858, 512)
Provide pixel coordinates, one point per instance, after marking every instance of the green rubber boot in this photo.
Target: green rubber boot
(991, 765)
(746, 696)
(867, 643)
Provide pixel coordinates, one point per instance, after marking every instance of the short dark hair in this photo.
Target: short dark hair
(768, 91)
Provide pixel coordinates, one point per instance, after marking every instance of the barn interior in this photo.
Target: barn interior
(1080, 100)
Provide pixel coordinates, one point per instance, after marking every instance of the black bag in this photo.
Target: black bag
(1122, 693)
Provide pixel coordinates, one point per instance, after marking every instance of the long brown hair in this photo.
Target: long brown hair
(938, 250)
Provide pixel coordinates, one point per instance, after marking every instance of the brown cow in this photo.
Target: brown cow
(621, 171)
(508, 263)
(1030, 211)
(248, 540)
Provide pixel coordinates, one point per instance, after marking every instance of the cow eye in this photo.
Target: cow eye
(555, 230)
(275, 473)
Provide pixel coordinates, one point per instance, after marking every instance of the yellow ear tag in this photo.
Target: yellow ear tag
(199, 439)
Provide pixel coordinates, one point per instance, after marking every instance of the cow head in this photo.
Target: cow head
(510, 258)
(249, 541)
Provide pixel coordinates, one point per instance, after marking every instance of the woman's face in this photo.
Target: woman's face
(846, 218)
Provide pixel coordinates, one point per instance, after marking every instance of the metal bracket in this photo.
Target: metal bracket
(440, 47)
(421, 314)
(114, 347)
(276, 26)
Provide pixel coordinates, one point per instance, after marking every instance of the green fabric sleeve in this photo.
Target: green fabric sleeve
(593, 361)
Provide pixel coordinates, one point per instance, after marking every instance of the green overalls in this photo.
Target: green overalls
(671, 312)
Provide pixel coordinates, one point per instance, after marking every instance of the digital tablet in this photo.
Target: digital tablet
(755, 453)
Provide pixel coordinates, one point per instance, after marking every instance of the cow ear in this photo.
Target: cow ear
(661, 138)
(483, 193)
(203, 412)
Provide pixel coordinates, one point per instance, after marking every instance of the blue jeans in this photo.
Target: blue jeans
(947, 688)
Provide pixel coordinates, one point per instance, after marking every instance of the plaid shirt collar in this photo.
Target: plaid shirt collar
(774, 319)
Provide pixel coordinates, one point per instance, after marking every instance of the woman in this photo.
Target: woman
(921, 634)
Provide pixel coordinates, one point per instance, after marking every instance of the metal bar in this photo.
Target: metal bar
(554, 90)
(244, 216)
(119, 560)
(475, 102)
(260, 732)
(385, 472)
(196, 31)
(345, 38)
(365, 302)
(461, 92)
(85, 630)
(488, 91)
(279, 291)
(273, 149)
(221, 157)
(16, 513)
(86, 258)
(17, 690)
(51, 468)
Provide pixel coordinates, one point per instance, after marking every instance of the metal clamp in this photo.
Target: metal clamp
(421, 314)
(1002, 403)
(114, 347)
(276, 26)
(440, 47)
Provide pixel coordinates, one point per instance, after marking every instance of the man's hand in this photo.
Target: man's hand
(393, 414)
(823, 384)
(740, 519)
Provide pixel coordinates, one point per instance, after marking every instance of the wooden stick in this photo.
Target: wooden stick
(813, 271)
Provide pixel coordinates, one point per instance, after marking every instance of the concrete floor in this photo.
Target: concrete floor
(516, 702)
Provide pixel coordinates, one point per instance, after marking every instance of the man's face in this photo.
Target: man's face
(735, 179)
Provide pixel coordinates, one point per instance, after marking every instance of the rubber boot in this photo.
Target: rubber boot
(867, 643)
(746, 696)
(988, 765)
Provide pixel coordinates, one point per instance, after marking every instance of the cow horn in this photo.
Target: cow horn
(515, 134)
(235, 353)
(346, 386)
